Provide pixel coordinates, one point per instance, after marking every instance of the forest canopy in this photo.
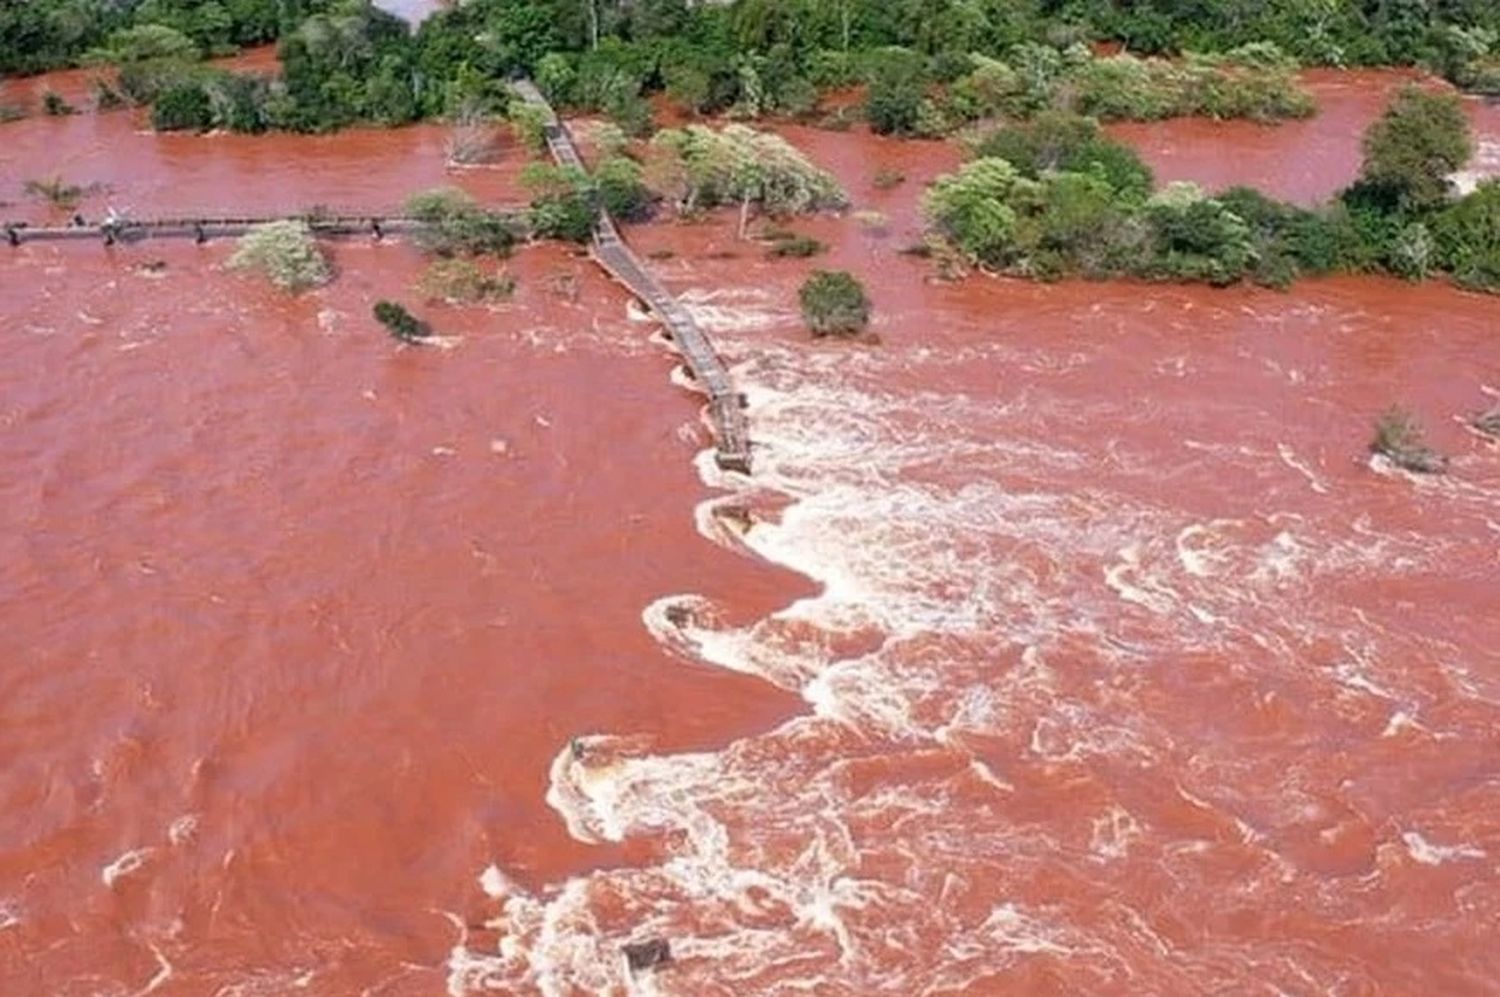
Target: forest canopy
(928, 66)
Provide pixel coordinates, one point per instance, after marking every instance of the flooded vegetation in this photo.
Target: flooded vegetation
(1071, 635)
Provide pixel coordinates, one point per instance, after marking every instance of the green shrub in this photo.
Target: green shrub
(454, 225)
(529, 122)
(622, 192)
(1415, 146)
(55, 106)
(977, 209)
(1467, 234)
(55, 191)
(1262, 87)
(400, 323)
(1399, 438)
(834, 303)
(145, 43)
(743, 167)
(564, 203)
(1196, 238)
(464, 282)
(1057, 141)
(184, 106)
(284, 252)
(894, 101)
(791, 245)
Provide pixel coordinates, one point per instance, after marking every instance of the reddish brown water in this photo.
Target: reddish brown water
(1120, 669)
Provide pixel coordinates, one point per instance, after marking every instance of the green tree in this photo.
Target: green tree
(1057, 141)
(285, 253)
(184, 106)
(977, 209)
(453, 224)
(1415, 146)
(1196, 238)
(897, 86)
(564, 202)
(622, 191)
(1467, 234)
(400, 323)
(834, 303)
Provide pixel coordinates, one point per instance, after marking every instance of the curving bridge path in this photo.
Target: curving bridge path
(726, 406)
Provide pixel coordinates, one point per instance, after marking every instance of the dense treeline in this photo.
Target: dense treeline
(930, 66)
(37, 35)
(1054, 197)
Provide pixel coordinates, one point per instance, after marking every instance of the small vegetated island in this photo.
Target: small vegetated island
(1052, 197)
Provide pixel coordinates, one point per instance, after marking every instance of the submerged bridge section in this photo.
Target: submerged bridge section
(726, 406)
(114, 230)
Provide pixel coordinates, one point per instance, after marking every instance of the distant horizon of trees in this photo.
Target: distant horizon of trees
(930, 65)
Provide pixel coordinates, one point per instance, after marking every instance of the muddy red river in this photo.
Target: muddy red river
(1074, 645)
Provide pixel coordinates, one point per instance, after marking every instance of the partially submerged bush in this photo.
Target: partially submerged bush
(285, 253)
(1261, 86)
(1467, 233)
(622, 191)
(184, 106)
(529, 123)
(53, 105)
(1196, 238)
(1398, 437)
(786, 244)
(464, 282)
(1057, 141)
(1414, 147)
(741, 166)
(55, 191)
(564, 202)
(453, 224)
(834, 303)
(400, 323)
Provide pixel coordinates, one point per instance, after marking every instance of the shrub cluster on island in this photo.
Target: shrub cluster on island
(1054, 197)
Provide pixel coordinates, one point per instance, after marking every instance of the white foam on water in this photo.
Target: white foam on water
(973, 624)
(183, 830)
(10, 913)
(1427, 853)
(127, 864)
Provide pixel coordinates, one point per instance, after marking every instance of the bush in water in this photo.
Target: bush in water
(184, 106)
(740, 166)
(400, 323)
(463, 282)
(564, 202)
(1415, 146)
(55, 106)
(834, 303)
(1468, 237)
(622, 191)
(285, 253)
(1059, 141)
(1398, 437)
(454, 225)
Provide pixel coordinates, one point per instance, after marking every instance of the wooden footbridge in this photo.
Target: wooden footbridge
(726, 406)
(200, 229)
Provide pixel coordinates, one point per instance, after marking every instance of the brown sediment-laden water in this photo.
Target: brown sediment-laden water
(1080, 647)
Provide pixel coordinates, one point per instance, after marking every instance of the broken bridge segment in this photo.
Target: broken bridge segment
(726, 406)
